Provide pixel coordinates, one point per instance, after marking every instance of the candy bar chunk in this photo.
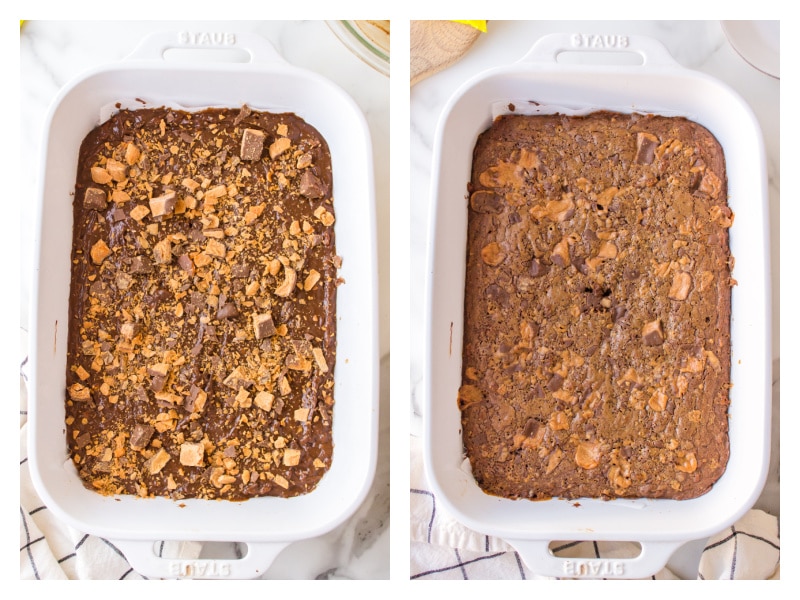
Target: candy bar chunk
(141, 435)
(163, 204)
(238, 378)
(310, 186)
(263, 326)
(95, 198)
(252, 144)
(652, 333)
(141, 264)
(279, 146)
(291, 457)
(264, 400)
(196, 400)
(227, 311)
(645, 148)
(117, 170)
(192, 454)
(99, 252)
(155, 463)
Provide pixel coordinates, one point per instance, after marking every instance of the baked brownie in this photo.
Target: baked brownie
(596, 358)
(201, 344)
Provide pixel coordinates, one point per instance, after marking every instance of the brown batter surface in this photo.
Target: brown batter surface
(202, 336)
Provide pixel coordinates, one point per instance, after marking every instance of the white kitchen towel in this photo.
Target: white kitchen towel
(442, 548)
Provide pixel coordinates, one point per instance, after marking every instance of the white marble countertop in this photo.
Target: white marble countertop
(698, 45)
(53, 53)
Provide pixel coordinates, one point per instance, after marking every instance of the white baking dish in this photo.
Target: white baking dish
(656, 85)
(266, 525)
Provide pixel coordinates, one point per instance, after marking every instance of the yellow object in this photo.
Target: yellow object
(479, 25)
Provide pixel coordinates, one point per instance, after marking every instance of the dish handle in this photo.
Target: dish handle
(652, 52)
(538, 557)
(234, 46)
(142, 557)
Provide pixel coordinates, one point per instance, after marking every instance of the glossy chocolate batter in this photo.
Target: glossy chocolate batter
(597, 316)
(202, 340)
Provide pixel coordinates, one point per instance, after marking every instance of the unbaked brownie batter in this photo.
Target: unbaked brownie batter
(202, 339)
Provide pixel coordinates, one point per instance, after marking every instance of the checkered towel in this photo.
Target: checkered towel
(50, 549)
(442, 548)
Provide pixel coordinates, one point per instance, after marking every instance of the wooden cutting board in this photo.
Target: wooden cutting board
(438, 44)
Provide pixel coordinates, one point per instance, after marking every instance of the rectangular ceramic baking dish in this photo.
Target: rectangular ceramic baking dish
(267, 524)
(657, 85)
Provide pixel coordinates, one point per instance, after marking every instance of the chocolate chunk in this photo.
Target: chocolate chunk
(83, 440)
(244, 112)
(496, 294)
(310, 186)
(100, 291)
(95, 198)
(645, 148)
(555, 382)
(227, 311)
(102, 467)
(242, 270)
(579, 262)
(537, 268)
(141, 435)
(141, 395)
(486, 201)
(618, 312)
(190, 404)
(197, 299)
(140, 264)
(287, 311)
(158, 297)
(631, 273)
(264, 326)
(652, 333)
(559, 260)
(196, 235)
(157, 383)
(695, 177)
(118, 214)
(252, 144)
(302, 347)
(185, 263)
(531, 428)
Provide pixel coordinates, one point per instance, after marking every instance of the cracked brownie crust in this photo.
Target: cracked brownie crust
(596, 357)
(202, 337)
